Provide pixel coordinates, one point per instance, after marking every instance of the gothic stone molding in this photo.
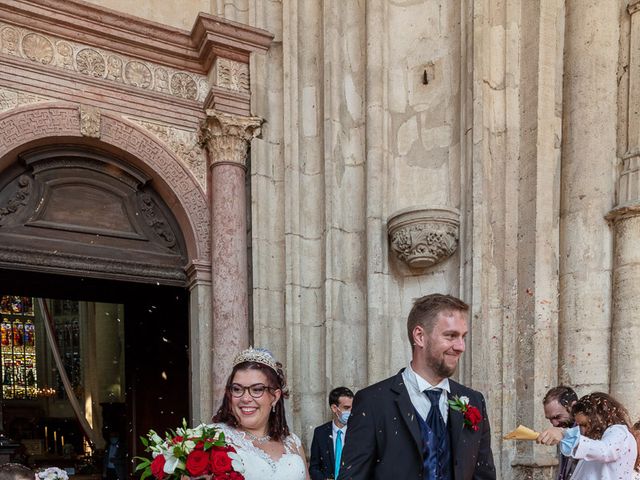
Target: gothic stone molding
(227, 137)
(422, 236)
(30, 123)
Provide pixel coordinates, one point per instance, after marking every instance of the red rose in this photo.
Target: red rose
(197, 463)
(220, 462)
(235, 476)
(199, 445)
(157, 467)
(473, 416)
(177, 439)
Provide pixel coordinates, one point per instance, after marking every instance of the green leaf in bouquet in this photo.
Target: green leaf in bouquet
(144, 463)
(145, 474)
(144, 441)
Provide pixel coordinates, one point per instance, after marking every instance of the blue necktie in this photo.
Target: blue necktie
(338, 453)
(437, 454)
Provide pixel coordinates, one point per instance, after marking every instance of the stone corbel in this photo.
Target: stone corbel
(422, 236)
(227, 137)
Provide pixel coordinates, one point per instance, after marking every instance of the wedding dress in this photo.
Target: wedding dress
(259, 465)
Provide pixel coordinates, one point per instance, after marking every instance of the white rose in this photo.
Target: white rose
(464, 400)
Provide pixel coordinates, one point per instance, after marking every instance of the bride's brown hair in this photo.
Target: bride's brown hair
(277, 424)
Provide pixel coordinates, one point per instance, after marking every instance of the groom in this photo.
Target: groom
(404, 427)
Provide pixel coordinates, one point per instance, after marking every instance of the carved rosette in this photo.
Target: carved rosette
(227, 137)
(37, 48)
(422, 236)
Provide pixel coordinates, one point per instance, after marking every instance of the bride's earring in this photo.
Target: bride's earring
(273, 408)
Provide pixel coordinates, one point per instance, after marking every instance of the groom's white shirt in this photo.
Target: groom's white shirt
(416, 385)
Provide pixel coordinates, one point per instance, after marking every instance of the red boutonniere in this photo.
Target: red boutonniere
(471, 414)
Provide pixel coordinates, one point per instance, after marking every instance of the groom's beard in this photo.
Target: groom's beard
(437, 365)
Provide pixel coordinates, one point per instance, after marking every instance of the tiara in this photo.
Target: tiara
(258, 355)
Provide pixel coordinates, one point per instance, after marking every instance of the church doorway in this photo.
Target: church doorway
(124, 347)
(85, 230)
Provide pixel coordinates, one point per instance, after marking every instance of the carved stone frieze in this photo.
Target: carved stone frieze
(422, 236)
(89, 121)
(183, 143)
(227, 136)
(10, 98)
(99, 63)
(232, 75)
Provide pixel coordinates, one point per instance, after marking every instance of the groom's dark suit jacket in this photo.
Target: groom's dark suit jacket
(384, 439)
(321, 462)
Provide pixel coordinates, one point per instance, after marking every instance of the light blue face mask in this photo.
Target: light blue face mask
(344, 417)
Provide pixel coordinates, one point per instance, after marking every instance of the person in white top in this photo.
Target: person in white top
(602, 439)
(253, 420)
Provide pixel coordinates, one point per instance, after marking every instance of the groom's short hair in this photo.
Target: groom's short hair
(425, 310)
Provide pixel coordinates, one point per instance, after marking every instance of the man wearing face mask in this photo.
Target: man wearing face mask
(329, 438)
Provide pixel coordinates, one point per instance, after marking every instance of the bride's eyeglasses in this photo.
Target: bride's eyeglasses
(256, 390)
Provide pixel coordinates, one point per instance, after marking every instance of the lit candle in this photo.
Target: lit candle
(55, 441)
(46, 440)
(62, 440)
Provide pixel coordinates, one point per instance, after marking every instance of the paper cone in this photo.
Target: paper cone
(522, 433)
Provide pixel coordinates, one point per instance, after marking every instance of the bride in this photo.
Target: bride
(253, 420)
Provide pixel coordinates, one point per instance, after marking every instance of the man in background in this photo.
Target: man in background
(329, 438)
(557, 405)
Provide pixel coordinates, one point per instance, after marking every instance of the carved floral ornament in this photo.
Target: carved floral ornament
(422, 236)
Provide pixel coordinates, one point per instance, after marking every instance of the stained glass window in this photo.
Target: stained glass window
(18, 347)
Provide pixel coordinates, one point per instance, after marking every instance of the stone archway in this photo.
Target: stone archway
(49, 123)
(42, 123)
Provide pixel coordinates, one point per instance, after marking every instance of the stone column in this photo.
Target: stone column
(588, 170)
(625, 219)
(227, 140)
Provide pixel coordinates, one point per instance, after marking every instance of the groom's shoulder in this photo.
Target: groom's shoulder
(382, 387)
(461, 389)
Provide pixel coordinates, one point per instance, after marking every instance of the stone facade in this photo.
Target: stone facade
(519, 117)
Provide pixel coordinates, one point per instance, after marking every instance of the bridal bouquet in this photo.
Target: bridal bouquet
(190, 452)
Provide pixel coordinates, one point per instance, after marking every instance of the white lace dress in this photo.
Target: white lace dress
(260, 466)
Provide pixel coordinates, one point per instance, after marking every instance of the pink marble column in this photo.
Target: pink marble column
(227, 140)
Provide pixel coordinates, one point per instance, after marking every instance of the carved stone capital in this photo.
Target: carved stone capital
(423, 236)
(227, 137)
